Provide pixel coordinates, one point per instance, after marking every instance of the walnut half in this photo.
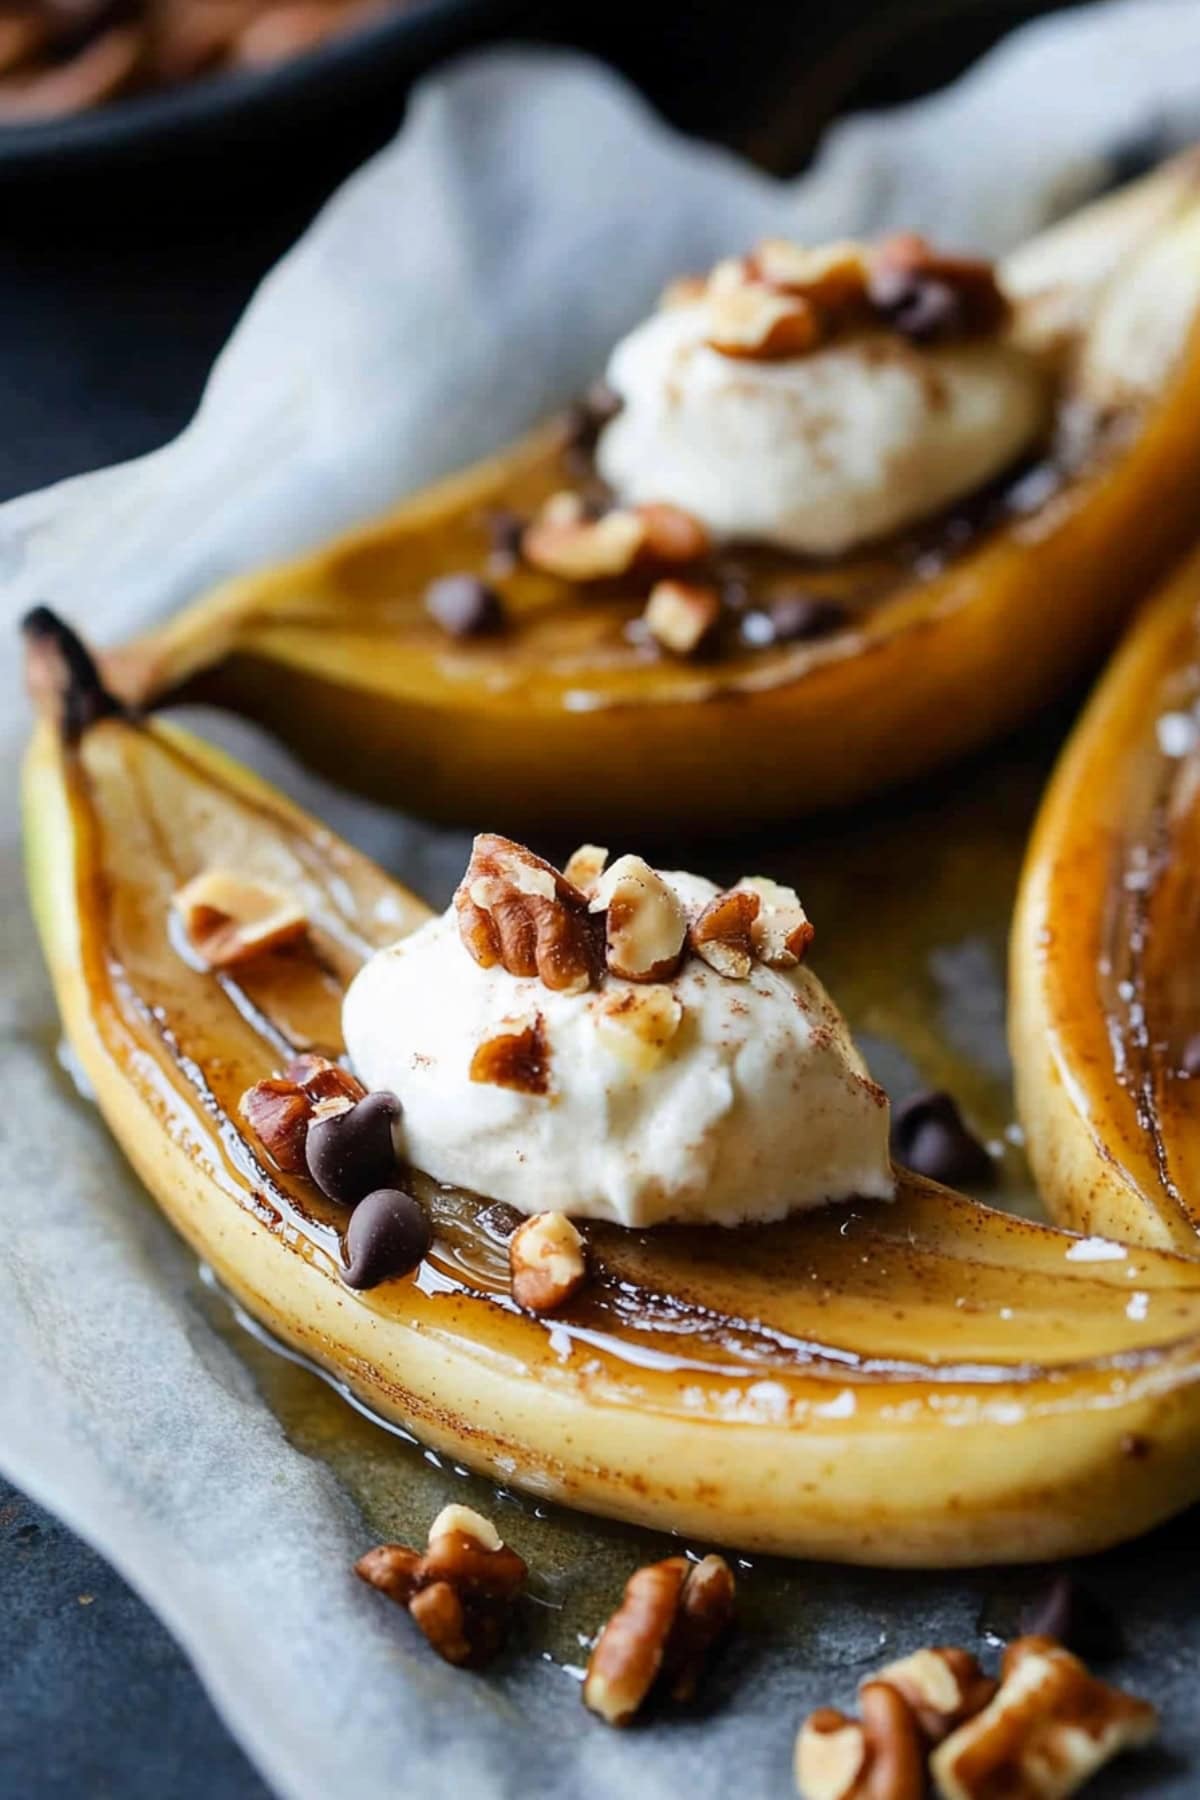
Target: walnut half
(548, 1261)
(518, 911)
(671, 1616)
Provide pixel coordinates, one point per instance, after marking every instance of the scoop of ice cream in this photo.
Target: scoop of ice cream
(816, 452)
(700, 1098)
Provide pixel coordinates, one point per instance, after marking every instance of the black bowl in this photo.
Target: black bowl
(216, 113)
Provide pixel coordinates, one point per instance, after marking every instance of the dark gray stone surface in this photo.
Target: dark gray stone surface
(96, 1699)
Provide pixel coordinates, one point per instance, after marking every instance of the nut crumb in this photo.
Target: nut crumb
(645, 924)
(782, 931)
(723, 934)
(459, 1592)
(682, 616)
(547, 1258)
(519, 1060)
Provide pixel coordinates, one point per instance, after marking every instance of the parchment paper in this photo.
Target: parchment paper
(468, 279)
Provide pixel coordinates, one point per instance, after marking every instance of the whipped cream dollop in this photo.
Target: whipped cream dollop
(814, 452)
(700, 1098)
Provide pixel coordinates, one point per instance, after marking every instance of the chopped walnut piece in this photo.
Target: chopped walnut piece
(279, 1113)
(280, 1110)
(322, 1079)
(757, 323)
(705, 1614)
(230, 918)
(1050, 1727)
(585, 866)
(943, 1687)
(563, 540)
(929, 295)
(442, 1618)
(831, 1755)
(645, 924)
(466, 1522)
(881, 1758)
(548, 1261)
(671, 535)
(518, 911)
(517, 1059)
(658, 1631)
(781, 931)
(638, 1024)
(832, 277)
(722, 936)
(460, 1591)
(583, 549)
(682, 616)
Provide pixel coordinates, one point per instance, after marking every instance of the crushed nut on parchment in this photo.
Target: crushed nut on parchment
(460, 1591)
(670, 1618)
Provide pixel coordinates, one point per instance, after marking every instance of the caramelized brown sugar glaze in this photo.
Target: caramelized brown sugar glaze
(953, 633)
(939, 1302)
(1111, 927)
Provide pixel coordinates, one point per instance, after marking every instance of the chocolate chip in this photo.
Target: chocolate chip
(464, 606)
(918, 306)
(1077, 1617)
(388, 1235)
(790, 618)
(929, 1137)
(352, 1152)
(1189, 1056)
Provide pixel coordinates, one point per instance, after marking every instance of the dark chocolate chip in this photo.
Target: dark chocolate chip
(464, 606)
(388, 1235)
(1075, 1616)
(929, 1137)
(918, 306)
(589, 415)
(791, 618)
(352, 1152)
(1189, 1056)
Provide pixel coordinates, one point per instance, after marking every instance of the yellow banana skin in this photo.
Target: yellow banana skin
(1105, 964)
(926, 1383)
(562, 722)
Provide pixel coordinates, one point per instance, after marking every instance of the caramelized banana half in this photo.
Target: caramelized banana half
(925, 1382)
(566, 716)
(1105, 969)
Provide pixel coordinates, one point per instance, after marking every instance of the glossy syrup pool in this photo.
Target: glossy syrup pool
(912, 899)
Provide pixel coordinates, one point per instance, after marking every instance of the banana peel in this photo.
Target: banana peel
(563, 721)
(1105, 963)
(928, 1382)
